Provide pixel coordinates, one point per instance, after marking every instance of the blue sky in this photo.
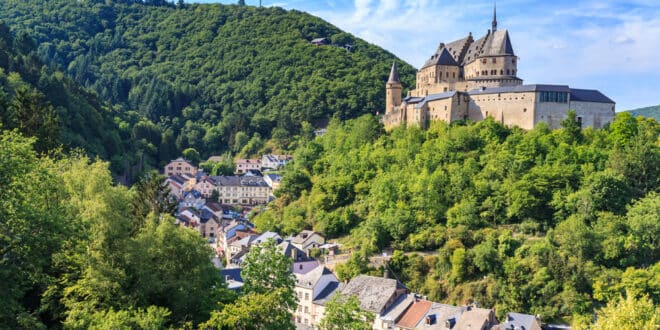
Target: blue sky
(612, 46)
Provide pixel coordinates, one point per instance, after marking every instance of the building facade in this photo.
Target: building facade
(180, 166)
(475, 79)
(242, 190)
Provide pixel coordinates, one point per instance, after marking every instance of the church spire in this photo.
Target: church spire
(495, 17)
(394, 74)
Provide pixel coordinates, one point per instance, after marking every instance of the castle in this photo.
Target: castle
(475, 79)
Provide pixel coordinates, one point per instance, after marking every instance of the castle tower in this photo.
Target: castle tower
(393, 90)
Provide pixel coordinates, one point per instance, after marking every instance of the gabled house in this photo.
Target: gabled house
(206, 185)
(180, 166)
(274, 162)
(476, 319)
(266, 236)
(273, 181)
(376, 295)
(307, 239)
(441, 317)
(243, 165)
(293, 252)
(192, 198)
(309, 287)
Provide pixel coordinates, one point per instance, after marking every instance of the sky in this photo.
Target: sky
(612, 46)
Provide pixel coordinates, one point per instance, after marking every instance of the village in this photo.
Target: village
(218, 207)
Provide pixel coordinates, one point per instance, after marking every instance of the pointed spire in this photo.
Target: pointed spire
(495, 17)
(394, 74)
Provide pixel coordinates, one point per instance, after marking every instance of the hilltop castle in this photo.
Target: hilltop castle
(475, 79)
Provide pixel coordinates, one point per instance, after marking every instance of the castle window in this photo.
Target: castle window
(513, 60)
(501, 72)
(453, 74)
(507, 72)
(494, 60)
(483, 61)
(447, 74)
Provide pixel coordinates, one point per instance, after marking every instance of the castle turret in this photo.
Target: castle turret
(393, 90)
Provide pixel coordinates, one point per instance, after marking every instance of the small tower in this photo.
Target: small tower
(495, 17)
(392, 90)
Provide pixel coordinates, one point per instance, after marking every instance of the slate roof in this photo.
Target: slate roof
(232, 273)
(373, 292)
(414, 314)
(286, 247)
(237, 181)
(394, 74)
(434, 97)
(444, 58)
(304, 267)
(498, 43)
(439, 314)
(520, 321)
(589, 95)
(310, 279)
(274, 177)
(474, 318)
(521, 89)
(303, 236)
(192, 194)
(398, 307)
(232, 277)
(178, 179)
(267, 235)
(328, 292)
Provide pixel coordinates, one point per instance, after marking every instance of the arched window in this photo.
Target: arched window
(501, 72)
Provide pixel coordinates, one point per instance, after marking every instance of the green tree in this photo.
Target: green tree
(254, 311)
(34, 116)
(192, 155)
(628, 313)
(344, 313)
(266, 268)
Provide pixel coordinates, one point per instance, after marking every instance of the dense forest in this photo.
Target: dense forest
(44, 103)
(208, 76)
(544, 222)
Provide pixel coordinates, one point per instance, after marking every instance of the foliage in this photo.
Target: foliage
(543, 222)
(629, 313)
(254, 311)
(344, 313)
(42, 102)
(265, 269)
(77, 254)
(206, 76)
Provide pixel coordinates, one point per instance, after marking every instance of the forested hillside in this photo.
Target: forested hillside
(545, 222)
(648, 112)
(212, 77)
(46, 104)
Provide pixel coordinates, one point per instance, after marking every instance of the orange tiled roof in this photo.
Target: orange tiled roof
(414, 314)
